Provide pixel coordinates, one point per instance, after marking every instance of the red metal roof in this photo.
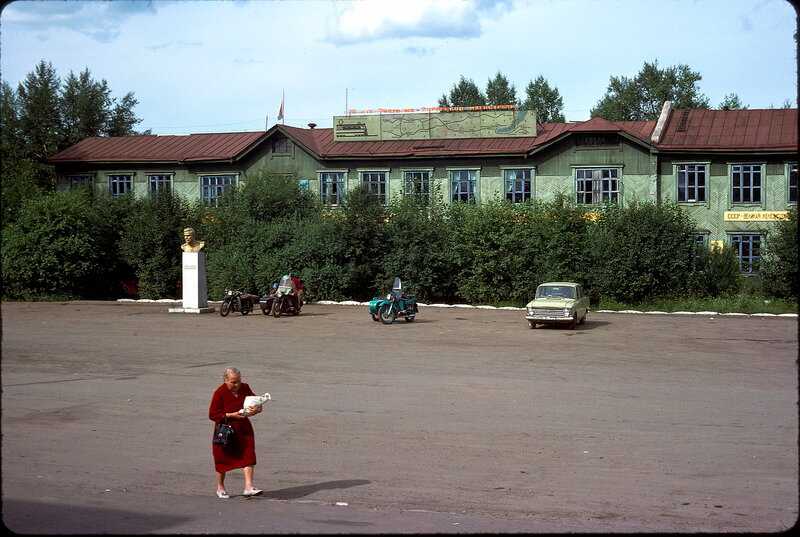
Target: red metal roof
(151, 148)
(685, 130)
(731, 130)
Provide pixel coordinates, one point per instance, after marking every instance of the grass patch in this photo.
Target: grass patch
(738, 303)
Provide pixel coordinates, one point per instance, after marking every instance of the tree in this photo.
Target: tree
(732, 102)
(500, 92)
(121, 119)
(39, 118)
(642, 97)
(465, 93)
(84, 104)
(546, 101)
(779, 261)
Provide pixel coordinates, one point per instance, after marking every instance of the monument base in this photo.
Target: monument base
(209, 309)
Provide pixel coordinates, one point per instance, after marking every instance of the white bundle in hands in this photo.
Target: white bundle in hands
(254, 400)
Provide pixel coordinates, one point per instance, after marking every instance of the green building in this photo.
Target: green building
(733, 171)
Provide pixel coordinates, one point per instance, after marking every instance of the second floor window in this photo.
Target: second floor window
(282, 146)
(120, 184)
(746, 183)
(376, 182)
(793, 183)
(159, 182)
(596, 185)
(691, 179)
(463, 186)
(517, 185)
(417, 183)
(77, 181)
(213, 187)
(331, 187)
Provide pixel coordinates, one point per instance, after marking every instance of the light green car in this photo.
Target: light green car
(558, 302)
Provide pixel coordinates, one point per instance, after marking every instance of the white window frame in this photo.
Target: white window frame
(691, 171)
(457, 180)
(158, 181)
(377, 182)
(211, 193)
(332, 189)
(512, 193)
(753, 170)
(791, 172)
(603, 189)
(418, 177)
(120, 184)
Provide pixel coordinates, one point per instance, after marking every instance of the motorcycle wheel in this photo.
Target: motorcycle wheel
(375, 317)
(277, 306)
(225, 308)
(386, 313)
(266, 309)
(246, 309)
(409, 318)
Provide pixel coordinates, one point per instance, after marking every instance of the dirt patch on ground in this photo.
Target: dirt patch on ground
(464, 420)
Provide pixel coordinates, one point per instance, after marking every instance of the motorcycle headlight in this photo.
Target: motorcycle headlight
(389, 296)
(230, 292)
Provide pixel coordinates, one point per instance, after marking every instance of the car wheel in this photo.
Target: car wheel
(532, 324)
(574, 321)
(583, 319)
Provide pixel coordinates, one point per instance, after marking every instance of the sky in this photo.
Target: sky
(225, 66)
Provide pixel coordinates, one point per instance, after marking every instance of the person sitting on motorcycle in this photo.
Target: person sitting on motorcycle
(297, 290)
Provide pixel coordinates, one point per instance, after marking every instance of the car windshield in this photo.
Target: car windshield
(555, 291)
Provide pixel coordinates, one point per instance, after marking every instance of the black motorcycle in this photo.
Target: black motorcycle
(236, 301)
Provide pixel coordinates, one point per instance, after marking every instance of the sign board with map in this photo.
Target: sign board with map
(435, 125)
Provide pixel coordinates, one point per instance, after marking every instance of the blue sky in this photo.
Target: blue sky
(219, 66)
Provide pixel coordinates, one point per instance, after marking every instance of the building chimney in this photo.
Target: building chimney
(312, 125)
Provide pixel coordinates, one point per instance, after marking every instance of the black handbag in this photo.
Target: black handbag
(223, 433)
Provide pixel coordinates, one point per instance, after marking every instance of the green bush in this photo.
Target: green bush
(150, 243)
(779, 260)
(716, 273)
(640, 250)
(62, 244)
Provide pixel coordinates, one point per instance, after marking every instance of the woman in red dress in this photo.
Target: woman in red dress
(227, 402)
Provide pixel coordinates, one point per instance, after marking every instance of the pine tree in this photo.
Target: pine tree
(546, 101)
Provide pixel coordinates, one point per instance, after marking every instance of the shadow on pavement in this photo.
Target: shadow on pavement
(292, 493)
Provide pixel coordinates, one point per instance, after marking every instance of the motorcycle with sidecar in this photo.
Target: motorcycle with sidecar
(236, 301)
(398, 303)
(285, 301)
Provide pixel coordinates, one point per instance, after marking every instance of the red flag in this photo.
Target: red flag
(280, 111)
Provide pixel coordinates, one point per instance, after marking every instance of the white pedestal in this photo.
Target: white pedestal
(195, 296)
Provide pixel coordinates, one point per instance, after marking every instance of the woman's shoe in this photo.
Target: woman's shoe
(253, 492)
(222, 495)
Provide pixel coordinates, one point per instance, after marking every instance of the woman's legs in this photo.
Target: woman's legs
(248, 477)
(220, 481)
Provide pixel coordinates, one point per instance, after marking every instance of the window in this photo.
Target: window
(698, 243)
(596, 140)
(518, 185)
(213, 187)
(691, 179)
(282, 145)
(748, 250)
(305, 186)
(376, 183)
(463, 185)
(746, 183)
(331, 185)
(159, 182)
(79, 180)
(596, 185)
(417, 183)
(120, 184)
(793, 183)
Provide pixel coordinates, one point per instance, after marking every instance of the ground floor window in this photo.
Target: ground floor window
(417, 183)
(213, 187)
(746, 183)
(596, 185)
(698, 243)
(331, 185)
(463, 186)
(79, 180)
(376, 183)
(691, 179)
(517, 185)
(748, 250)
(120, 184)
(793, 183)
(159, 182)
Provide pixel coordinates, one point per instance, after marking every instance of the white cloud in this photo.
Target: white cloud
(372, 20)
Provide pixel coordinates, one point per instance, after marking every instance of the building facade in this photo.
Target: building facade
(733, 171)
